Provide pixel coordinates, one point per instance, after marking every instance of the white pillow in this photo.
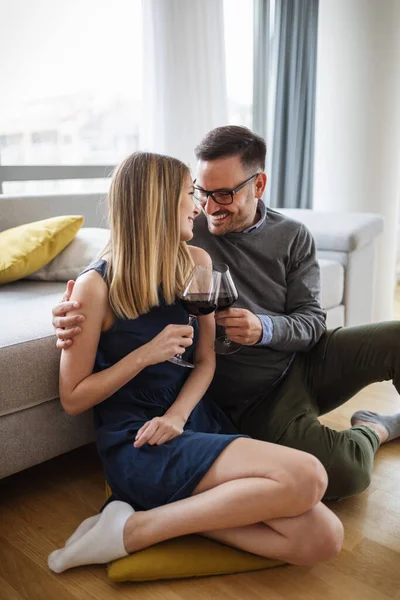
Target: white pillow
(85, 246)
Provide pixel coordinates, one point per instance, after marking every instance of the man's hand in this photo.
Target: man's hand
(159, 430)
(66, 327)
(241, 325)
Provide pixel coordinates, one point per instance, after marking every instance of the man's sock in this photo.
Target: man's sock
(102, 543)
(390, 422)
(82, 529)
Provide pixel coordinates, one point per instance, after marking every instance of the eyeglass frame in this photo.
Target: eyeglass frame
(230, 192)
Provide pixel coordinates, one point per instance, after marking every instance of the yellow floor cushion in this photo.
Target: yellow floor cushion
(188, 556)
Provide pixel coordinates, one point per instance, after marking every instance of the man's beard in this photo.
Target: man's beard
(231, 226)
(215, 230)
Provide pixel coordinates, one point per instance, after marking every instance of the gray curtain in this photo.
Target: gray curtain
(295, 37)
(261, 66)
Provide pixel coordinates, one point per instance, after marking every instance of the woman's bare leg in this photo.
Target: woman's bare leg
(250, 482)
(311, 538)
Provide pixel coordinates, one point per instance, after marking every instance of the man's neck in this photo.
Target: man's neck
(259, 217)
(250, 222)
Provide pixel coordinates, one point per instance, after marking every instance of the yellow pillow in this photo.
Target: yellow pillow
(27, 248)
(189, 556)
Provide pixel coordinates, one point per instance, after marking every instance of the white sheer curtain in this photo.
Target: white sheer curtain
(184, 74)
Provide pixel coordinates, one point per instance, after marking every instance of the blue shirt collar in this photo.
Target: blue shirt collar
(261, 208)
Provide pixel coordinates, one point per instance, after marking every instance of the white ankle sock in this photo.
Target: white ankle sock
(82, 529)
(102, 543)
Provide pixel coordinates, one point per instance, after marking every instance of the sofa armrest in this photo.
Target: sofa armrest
(351, 239)
(338, 232)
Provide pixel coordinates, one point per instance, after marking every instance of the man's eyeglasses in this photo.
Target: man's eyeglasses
(221, 196)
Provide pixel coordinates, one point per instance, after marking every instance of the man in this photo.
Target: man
(290, 369)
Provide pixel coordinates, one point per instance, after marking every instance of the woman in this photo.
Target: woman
(174, 462)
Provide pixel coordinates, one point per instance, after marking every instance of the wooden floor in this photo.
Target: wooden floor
(40, 507)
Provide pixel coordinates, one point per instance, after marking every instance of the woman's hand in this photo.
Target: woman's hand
(159, 430)
(173, 339)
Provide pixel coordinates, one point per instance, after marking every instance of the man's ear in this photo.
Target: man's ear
(261, 184)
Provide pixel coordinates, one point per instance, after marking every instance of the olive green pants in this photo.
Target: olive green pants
(343, 362)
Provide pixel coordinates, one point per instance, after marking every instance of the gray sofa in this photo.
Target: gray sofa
(33, 426)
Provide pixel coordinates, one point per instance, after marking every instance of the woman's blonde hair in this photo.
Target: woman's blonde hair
(145, 255)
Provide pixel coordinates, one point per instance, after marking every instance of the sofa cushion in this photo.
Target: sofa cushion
(29, 359)
(332, 283)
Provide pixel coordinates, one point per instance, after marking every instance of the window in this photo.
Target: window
(72, 83)
(59, 186)
(13, 139)
(238, 16)
(44, 137)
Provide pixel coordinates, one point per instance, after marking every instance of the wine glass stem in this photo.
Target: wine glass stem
(227, 341)
(191, 319)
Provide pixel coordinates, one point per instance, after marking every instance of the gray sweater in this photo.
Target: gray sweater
(276, 273)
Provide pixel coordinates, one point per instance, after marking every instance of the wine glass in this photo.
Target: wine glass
(227, 296)
(199, 297)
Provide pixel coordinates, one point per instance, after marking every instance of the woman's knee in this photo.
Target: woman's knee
(306, 481)
(300, 475)
(319, 539)
(321, 545)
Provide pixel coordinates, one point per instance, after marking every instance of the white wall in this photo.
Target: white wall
(357, 148)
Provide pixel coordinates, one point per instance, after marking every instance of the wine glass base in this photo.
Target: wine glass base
(182, 363)
(223, 345)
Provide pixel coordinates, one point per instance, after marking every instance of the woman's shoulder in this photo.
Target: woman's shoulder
(200, 256)
(91, 283)
(99, 265)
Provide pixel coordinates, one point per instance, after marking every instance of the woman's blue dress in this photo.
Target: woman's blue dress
(151, 476)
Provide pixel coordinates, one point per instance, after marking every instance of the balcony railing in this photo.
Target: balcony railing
(53, 172)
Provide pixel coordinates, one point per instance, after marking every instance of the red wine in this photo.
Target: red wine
(198, 304)
(226, 301)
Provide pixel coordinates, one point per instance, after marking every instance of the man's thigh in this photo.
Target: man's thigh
(291, 419)
(268, 419)
(348, 359)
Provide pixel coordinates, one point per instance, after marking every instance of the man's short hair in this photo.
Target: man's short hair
(232, 140)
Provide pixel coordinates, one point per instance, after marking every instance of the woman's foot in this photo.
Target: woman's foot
(100, 544)
(82, 529)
